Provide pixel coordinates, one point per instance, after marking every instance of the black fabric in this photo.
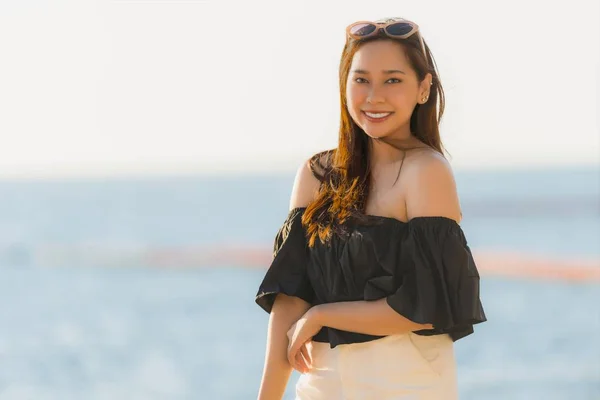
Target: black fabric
(424, 268)
(287, 273)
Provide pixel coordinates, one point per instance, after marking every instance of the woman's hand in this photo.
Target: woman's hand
(303, 360)
(300, 335)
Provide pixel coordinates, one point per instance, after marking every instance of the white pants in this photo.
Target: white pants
(405, 366)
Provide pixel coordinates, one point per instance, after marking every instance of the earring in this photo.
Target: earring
(424, 99)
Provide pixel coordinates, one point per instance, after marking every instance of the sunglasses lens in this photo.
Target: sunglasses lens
(399, 29)
(362, 29)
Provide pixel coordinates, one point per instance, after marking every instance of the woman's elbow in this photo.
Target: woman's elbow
(289, 307)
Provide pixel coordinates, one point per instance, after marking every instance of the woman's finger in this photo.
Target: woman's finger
(292, 352)
(300, 363)
(294, 358)
(291, 356)
(306, 354)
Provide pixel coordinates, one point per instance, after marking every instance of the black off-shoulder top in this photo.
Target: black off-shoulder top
(424, 268)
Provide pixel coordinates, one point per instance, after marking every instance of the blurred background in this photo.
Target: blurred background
(148, 154)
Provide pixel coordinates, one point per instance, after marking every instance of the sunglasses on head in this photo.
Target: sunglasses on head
(398, 28)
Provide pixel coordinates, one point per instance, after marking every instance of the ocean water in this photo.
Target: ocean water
(74, 327)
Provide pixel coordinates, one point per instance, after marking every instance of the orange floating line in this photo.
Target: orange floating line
(527, 266)
(504, 264)
(490, 263)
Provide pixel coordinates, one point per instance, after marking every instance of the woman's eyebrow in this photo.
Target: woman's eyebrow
(386, 71)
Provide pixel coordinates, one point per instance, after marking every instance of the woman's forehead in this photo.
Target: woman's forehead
(384, 53)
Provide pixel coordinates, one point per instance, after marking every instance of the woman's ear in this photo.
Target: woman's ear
(426, 85)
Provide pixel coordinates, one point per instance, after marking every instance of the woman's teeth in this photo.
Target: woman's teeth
(377, 115)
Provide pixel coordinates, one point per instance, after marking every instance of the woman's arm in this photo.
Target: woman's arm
(277, 370)
(286, 310)
(367, 317)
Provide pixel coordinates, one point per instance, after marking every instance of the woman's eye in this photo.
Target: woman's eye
(391, 80)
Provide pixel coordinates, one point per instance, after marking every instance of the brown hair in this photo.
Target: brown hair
(344, 171)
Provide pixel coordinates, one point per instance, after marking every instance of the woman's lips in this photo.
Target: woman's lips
(373, 118)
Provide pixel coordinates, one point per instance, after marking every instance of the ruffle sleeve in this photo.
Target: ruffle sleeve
(430, 276)
(287, 273)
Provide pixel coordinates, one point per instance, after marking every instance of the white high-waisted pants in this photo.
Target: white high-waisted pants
(405, 366)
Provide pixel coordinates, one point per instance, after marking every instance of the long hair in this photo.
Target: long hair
(344, 172)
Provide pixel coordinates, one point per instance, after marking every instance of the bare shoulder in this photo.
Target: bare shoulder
(306, 185)
(431, 187)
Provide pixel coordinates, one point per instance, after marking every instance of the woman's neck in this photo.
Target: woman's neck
(386, 151)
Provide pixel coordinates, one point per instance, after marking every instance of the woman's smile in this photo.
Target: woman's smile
(377, 117)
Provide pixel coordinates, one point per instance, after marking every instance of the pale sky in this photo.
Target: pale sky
(94, 88)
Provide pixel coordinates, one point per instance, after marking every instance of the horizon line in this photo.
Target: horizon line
(106, 174)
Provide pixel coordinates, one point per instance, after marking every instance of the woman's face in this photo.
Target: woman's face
(383, 89)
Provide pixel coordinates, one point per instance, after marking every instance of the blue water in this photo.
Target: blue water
(547, 212)
(82, 333)
(74, 331)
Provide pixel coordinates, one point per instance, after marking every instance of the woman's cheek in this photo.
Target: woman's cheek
(350, 96)
(354, 98)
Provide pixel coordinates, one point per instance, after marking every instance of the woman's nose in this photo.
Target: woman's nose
(375, 96)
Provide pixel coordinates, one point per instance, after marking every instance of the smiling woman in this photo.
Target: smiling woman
(376, 95)
(372, 279)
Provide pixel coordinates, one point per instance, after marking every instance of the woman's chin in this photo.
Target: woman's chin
(376, 133)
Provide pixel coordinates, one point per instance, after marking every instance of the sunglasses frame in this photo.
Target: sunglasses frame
(383, 26)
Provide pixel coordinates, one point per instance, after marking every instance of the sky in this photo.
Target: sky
(119, 88)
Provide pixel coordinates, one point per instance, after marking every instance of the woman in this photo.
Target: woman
(372, 279)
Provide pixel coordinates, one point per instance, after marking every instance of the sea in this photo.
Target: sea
(86, 314)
